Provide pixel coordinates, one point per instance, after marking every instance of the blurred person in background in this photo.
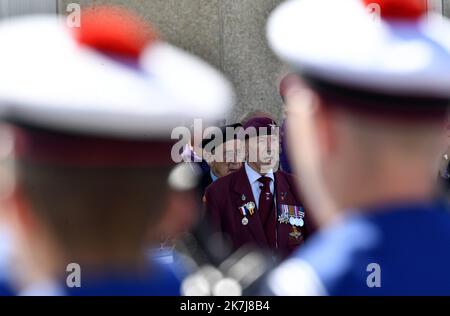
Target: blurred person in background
(224, 153)
(365, 128)
(257, 205)
(94, 172)
(193, 154)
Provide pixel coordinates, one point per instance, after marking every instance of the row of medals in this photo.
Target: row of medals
(283, 219)
(294, 221)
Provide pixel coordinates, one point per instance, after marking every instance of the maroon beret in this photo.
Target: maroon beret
(261, 122)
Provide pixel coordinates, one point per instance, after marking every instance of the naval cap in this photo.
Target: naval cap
(115, 31)
(112, 77)
(399, 10)
(404, 53)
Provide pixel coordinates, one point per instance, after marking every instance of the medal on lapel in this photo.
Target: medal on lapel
(243, 211)
(247, 209)
(295, 233)
(292, 218)
(299, 214)
(284, 216)
(292, 215)
(251, 207)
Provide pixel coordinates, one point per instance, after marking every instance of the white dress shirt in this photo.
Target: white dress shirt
(253, 177)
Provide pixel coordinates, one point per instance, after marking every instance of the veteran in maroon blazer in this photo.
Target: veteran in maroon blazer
(256, 205)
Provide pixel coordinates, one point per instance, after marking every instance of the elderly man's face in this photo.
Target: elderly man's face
(228, 158)
(263, 152)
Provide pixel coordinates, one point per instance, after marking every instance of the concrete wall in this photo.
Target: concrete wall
(230, 34)
(10, 8)
(446, 7)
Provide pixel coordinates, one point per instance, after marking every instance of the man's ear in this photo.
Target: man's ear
(326, 131)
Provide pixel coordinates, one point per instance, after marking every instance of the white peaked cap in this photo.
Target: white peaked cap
(341, 42)
(47, 79)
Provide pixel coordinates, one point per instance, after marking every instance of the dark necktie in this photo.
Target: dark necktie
(267, 211)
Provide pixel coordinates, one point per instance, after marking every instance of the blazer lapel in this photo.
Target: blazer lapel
(242, 189)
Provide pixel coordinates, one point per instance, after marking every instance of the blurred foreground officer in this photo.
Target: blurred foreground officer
(365, 131)
(285, 83)
(258, 205)
(92, 110)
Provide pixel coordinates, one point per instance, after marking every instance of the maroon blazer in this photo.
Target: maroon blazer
(224, 197)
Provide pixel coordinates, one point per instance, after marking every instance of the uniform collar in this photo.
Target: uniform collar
(254, 176)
